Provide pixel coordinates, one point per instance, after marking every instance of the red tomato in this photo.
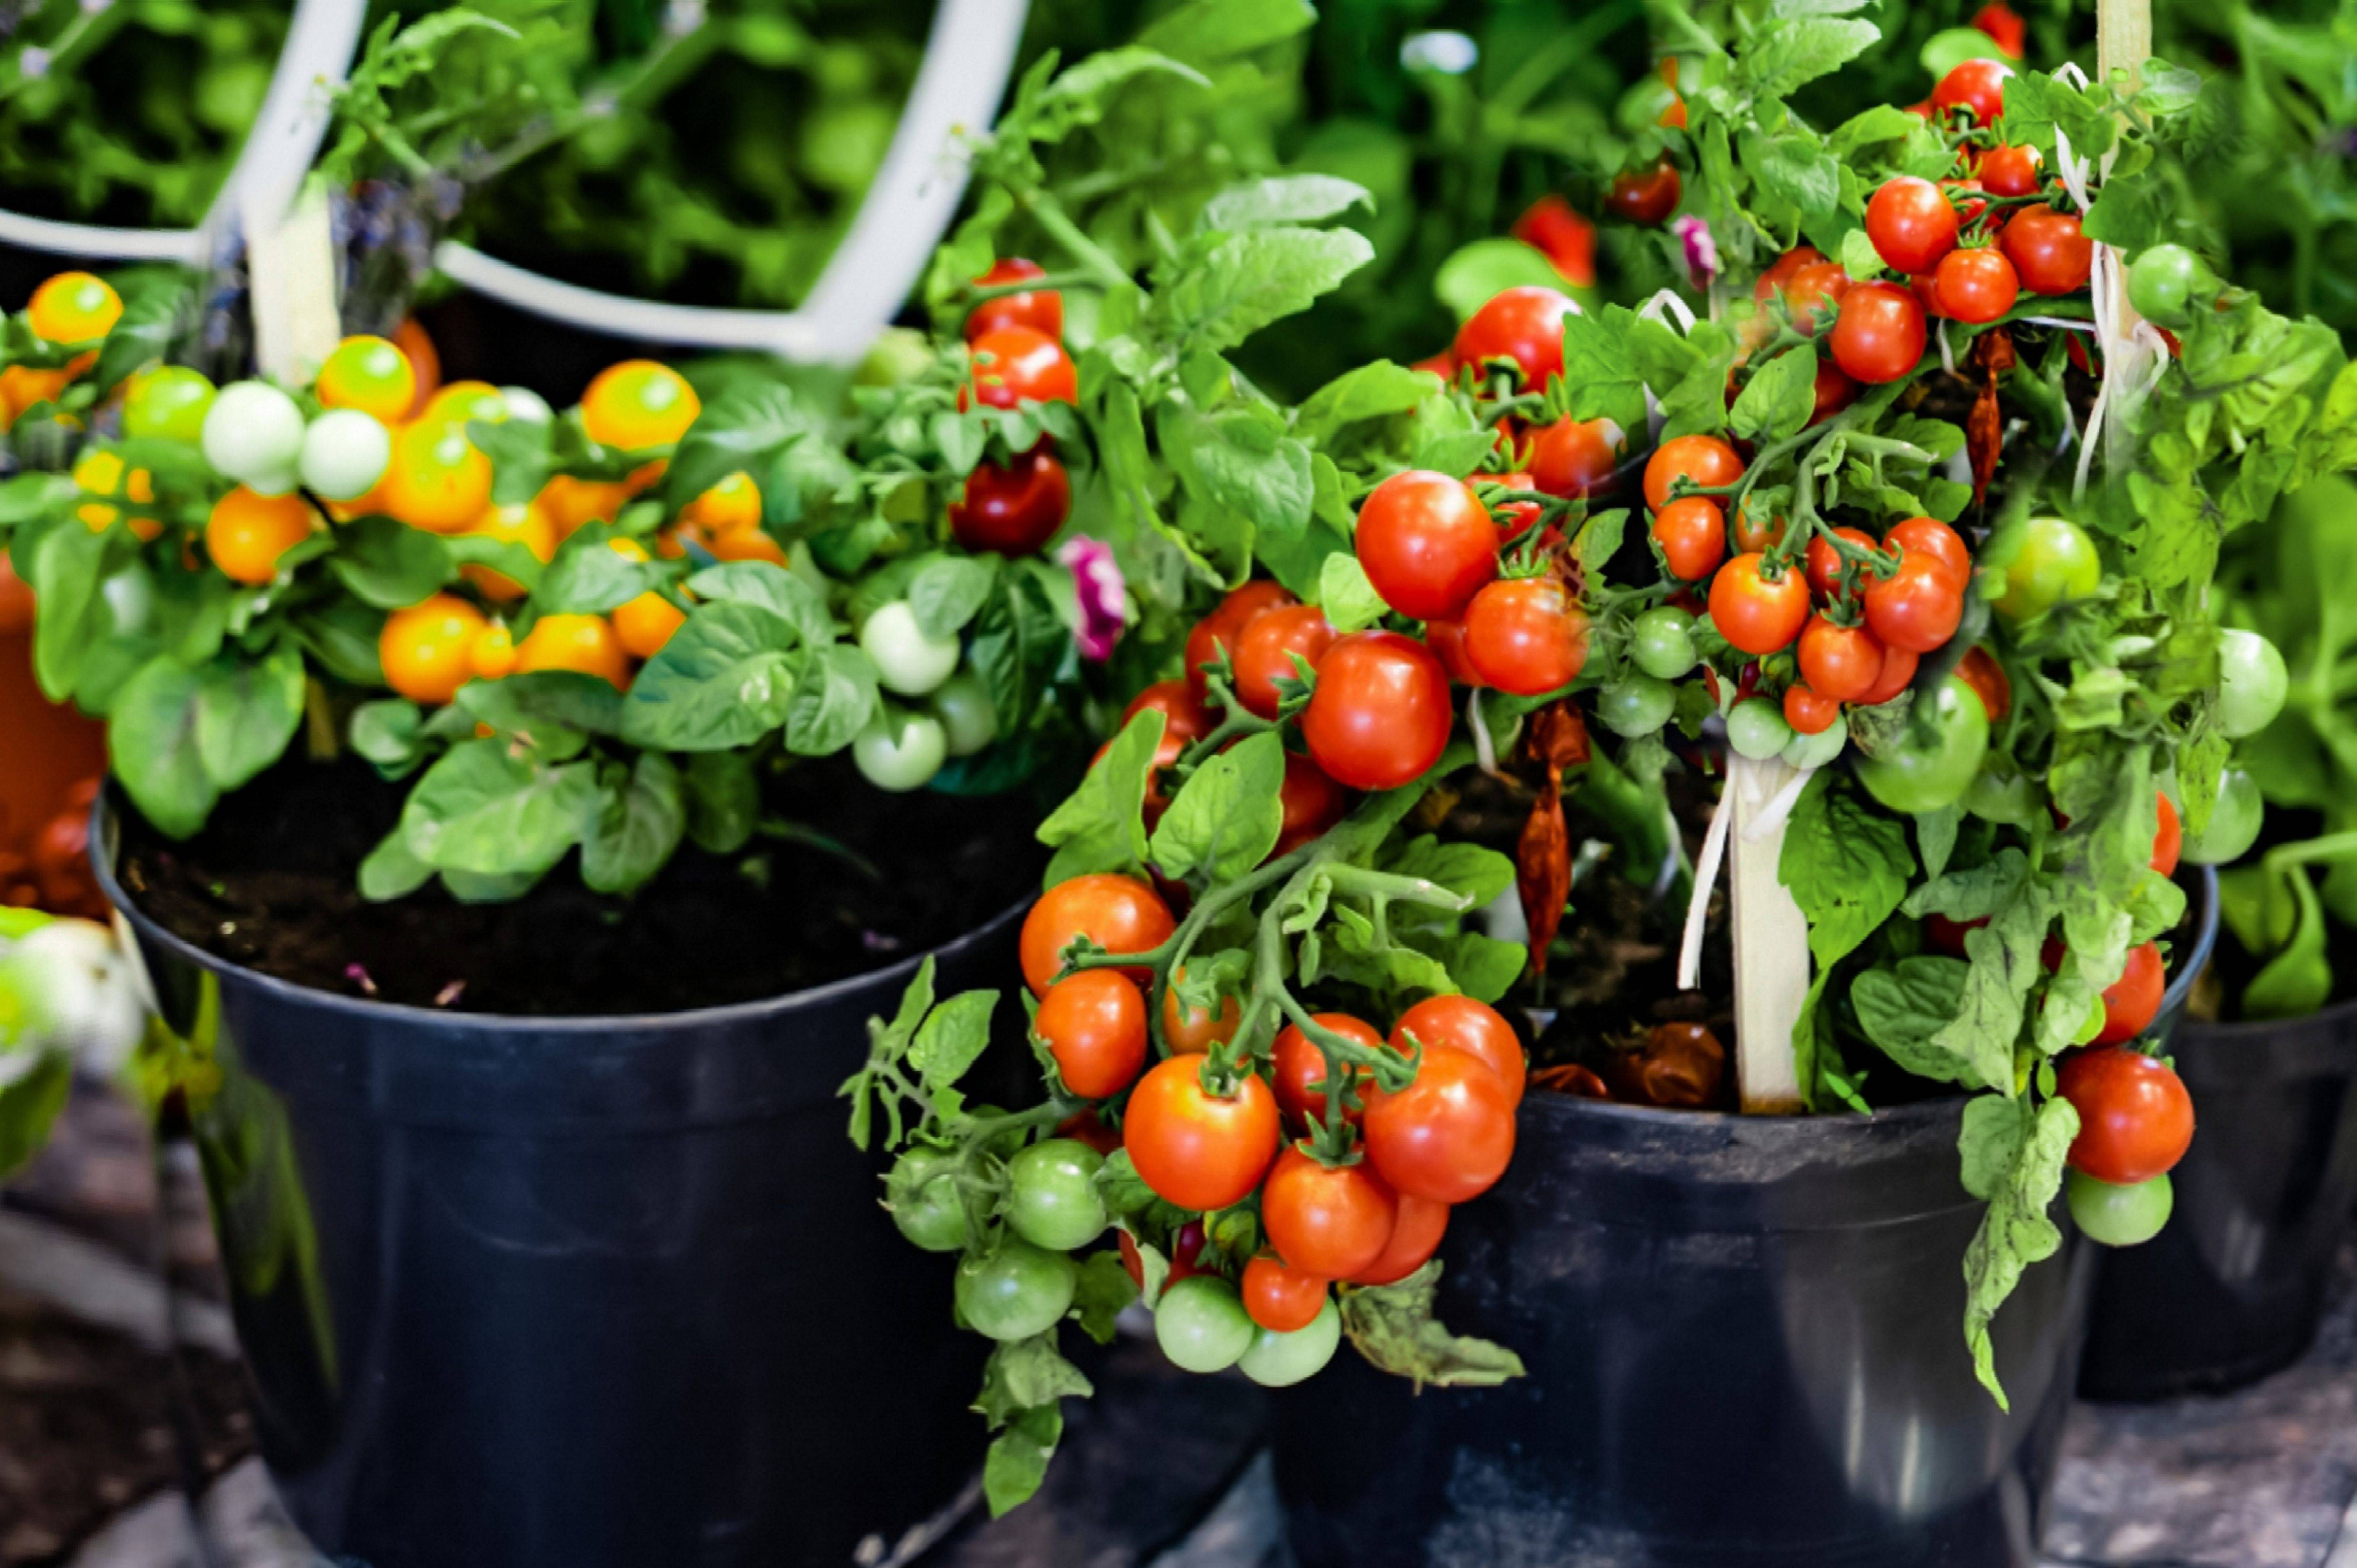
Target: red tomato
(1977, 286)
(1193, 1148)
(1752, 534)
(1779, 270)
(1825, 561)
(1216, 633)
(1443, 364)
(1312, 804)
(1282, 1300)
(2004, 27)
(1329, 1222)
(1463, 1023)
(1645, 196)
(1897, 670)
(1265, 652)
(1416, 1236)
(1574, 456)
(1194, 1030)
(1705, 459)
(1755, 614)
(1013, 365)
(1969, 206)
(1380, 717)
(1524, 325)
(1427, 542)
(2135, 1121)
(1980, 670)
(1550, 227)
(1692, 533)
(1916, 607)
(1910, 222)
(1977, 85)
(1525, 636)
(1813, 288)
(1834, 392)
(2130, 1002)
(2048, 251)
(1925, 287)
(2011, 171)
(1094, 1024)
(1297, 1065)
(1841, 663)
(1016, 509)
(1878, 336)
(2168, 840)
(1041, 309)
(1184, 716)
(1807, 712)
(1448, 1136)
(1929, 536)
(1185, 1249)
(1447, 640)
(1120, 914)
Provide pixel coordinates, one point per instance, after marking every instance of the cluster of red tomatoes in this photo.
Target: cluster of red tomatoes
(1016, 343)
(1443, 1139)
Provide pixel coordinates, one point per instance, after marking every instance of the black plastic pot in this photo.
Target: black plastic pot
(588, 1292)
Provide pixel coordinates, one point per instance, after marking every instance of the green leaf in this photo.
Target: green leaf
(1370, 391)
(247, 711)
(588, 576)
(727, 677)
(1845, 863)
(2015, 1232)
(953, 1037)
(1785, 55)
(1599, 541)
(1949, 47)
(1778, 400)
(1227, 817)
(520, 455)
(2297, 980)
(480, 809)
(738, 430)
(1906, 1009)
(1392, 1326)
(1101, 826)
(342, 636)
(1282, 198)
(390, 564)
(1994, 1127)
(1601, 369)
(1105, 1289)
(28, 1109)
(636, 827)
(724, 800)
(833, 700)
(1026, 1374)
(1858, 257)
(522, 705)
(387, 732)
(151, 742)
(69, 562)
(142, 334)
(765, 585)
(947, 591)
(1205, 32)
(1796, 169)
(393, 870)
(1252, 279)
(1350, 601)
(1250, 467)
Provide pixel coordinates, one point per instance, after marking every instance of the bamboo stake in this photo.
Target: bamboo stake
(1772, 941)
(291, 269)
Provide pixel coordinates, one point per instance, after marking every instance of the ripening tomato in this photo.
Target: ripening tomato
(1897, 671)
(1194, 1030)
(1120, 914)
(1524, 325)
(1311, 803)
(1754, 612)
(1977, 85)
(2049, 252)
(1815, 289)
(1807, 712)
(1464, 1024)
(1040, 310)
(1447, 640)
(585, 644)
(1448, 1136)
(2132, 1002)
(1264, 653)
(1194, 1148)
(1910, 222)
(247, 532)
(1839, 663)
(1917, 606)
(1427, 542)
(1781, 271)
(1216, 633)
(1184, 716)
(2135, 1121)
(1298, 1068)
(1979, 669)
(1417, 1231)
(1925, 287)
(638, 403)
(1825, 564)
(1550, 227)
(1015, 365)
(2011, 171)
(1645, 196)
(1833, 392)
(1878, 336)
(1329, 1221)
(2004, 27)
(1526, 636)
(1380, 716)
(1705, 460)
(1692, 533)
(72, 308)
(424, 649)
(1756, 531)
(1930, 537)
(1977, 286)
(1279, 1299)
(1094, 1024)
(2169, 839)
(1571, 457)
(1013, 510)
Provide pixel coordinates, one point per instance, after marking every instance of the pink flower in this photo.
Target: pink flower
(1097, 586)
(1702, 251)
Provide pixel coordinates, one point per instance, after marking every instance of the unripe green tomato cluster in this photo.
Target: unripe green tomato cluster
(1015, 1289)
(2030, 565)
(254, 433)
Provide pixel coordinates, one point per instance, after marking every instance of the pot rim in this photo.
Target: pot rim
(105, 836)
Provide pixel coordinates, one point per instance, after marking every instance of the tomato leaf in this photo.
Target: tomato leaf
(388, 733)
(1906, 1008)
(1845, 863)
(1252, 279)
(725, 679)
(947, 591)
(724, 800)
(588, 576)
(1226, 818)
(765, 585)
(953, 1037)
(1101, 826)
(1779, 398)
(834, 699)
(1479, 272)
(2016, 1232)
(247, 711)
(151, 741)
(1350, 601)
(638, 823)
(393, 870)
(1371, 391)
(1394, 1326)
(484, 811)
(1104, 1290)
(1282, 198)
(391, 565)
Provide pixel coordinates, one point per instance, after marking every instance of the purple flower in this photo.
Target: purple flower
(1097, 586)
(1702, 251)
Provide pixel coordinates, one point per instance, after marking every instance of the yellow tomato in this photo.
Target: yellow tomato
(587, 643)
(645, 623)
(493, 655)
(21, 387)
(571, 502)
(370, 374)
(73, 308)
(637, 405)
(427, 649)
(247, 533)
(438, 482)
(528, 525)
(732, 504)
(463, 401)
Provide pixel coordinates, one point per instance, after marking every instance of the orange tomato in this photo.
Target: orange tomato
(424, 358)
(586, 644)
(370, 374)
(427, 649)
(528, 525)
(438, 482)
(247, 533)
(571, 502)
(729, 507)
(637, 405)
(73, 308)
(492, 655)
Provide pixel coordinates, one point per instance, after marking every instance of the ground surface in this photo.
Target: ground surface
(105, 1434)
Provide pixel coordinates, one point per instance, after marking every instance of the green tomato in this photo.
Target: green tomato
(1919, 775)
(1015, 1290)
(969, 718)
(1201, 1325)
(345, 452)
(2163, 283)
(900, 751)
(1807, 751)
(1756, 728)
(2252, 683)
(1051, 1196)
(922, 1194)
(2120, 1216)
(2000, 795)
(254, 434)
(2036, 563)
(1280, 1361)
(907, 659)
(169, 403)
(1661, 642)
(1637, 705)
(2233, 825)
(899, 354)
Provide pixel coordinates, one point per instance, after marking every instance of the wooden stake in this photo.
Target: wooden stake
(291, 266)
(1771, 944)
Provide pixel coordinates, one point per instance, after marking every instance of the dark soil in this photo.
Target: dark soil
(270, 884)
